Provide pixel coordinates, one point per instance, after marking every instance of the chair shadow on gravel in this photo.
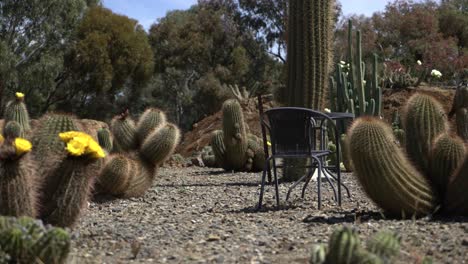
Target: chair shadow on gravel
(339, 217)
(103, 198)
(246, 184)
(265, 209)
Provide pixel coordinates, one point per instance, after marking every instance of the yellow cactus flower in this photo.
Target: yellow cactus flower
(95, 150)
(268, 143)
(67, 136)
(22, 146)
(19, 95)
(1, 139)
(77, 146)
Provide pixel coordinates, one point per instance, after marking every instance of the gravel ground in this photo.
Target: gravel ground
(200, 215)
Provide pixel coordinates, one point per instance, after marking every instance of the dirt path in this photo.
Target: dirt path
(195, 215)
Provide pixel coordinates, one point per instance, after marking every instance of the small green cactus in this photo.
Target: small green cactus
(342, 245)
(385, 244)
(12, 130)
(124, 131)
(318, 255)
(105, 139)
(365, 257)
(15, 110)
(53, 247)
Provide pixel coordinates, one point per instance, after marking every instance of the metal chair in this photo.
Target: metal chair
(297, 133)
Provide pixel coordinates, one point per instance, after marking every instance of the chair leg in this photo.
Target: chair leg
(276, 183)
(309, 178)
(327, 177)
(319, 183)
(262, 186)
(295, 184)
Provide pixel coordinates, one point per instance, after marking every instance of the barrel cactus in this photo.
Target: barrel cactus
(16, 110)
(233, 148)
(343, 244)
(431, 174)
(139, 149)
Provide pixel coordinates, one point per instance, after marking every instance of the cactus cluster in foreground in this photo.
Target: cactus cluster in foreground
(344, 247)
(431, 175)
(25, 240)
(233, 148)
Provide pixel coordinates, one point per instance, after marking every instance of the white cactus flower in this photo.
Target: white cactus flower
(419, 62)
(436, 73)
(327, 110)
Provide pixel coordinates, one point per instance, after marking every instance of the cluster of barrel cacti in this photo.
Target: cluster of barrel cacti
(234, 148)
(25, 240)
(344, 247)
(137, 150)
(49, 171)
(429, 175)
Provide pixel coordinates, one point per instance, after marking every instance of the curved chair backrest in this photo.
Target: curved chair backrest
(293, 130)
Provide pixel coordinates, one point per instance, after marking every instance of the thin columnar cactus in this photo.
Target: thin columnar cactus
(383, 170)
(424, 120)
(219, 149)
(16, 110)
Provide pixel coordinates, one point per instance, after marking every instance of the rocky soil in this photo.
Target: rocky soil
(200, 215)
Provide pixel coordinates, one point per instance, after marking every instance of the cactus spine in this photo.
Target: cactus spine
(149, 120)
(114, 178)
(16, 110)
(384, 172)
(160, 144)
(424, 121)
(124, 131)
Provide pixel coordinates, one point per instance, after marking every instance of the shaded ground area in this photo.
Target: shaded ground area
(199, 215)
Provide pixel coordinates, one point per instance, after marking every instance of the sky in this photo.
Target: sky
(148, 11)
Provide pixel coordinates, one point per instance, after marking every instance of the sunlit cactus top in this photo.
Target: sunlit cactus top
(19, 95)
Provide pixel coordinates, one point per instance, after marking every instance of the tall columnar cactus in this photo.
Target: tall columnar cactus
(310, 29)
(349, 91)
(75, 176)
(446, 156)
(424, 120)
(143, 148)
(234, 148)
(386, 175)
(16, 110)
(18, 186)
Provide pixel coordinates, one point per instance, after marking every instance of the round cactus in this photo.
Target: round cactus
(53, 246)
(424, 120)
(12, 130)
(124, 131)
(342, 245)
(384, 171)
(160, 144)
(318, 255)
(115, 175)
(446, 156)
(149, 120)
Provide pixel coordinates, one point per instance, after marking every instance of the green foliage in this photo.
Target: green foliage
(25, 240)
